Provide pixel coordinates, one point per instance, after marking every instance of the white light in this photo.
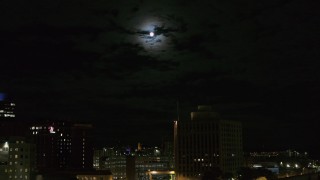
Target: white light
(6, 145)
(151, 34)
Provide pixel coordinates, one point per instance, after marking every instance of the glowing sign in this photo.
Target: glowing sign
(51, 129)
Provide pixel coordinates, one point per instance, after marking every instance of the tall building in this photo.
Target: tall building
(206, 142)
(98, 157)
(62, 145)
(82, 146)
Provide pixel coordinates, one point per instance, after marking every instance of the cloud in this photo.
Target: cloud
(95, 59)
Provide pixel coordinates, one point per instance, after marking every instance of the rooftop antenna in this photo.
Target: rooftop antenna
(178, 113)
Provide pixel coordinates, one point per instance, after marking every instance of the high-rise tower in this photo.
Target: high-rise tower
(63, 145)
(206, 142)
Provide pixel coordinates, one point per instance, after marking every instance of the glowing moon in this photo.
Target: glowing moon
(148, 37)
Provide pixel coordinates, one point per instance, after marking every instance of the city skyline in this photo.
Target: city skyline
(123, 66)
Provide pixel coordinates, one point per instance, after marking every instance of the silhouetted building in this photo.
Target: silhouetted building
(63, 145)
(130, 167)
(206, 142)
(82, 146)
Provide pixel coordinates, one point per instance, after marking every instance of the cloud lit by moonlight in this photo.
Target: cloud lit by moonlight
(147, 36)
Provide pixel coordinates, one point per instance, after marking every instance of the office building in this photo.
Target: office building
(62, 145)
(98, 158)
(17, 159)
(82, 146)
(206, 142)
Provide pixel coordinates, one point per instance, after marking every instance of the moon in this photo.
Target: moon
(147, 34)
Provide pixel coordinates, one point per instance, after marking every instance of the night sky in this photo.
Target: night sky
(95, 61)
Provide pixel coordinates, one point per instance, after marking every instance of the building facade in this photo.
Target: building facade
(17, 159)
(7, 109)
(206, 142)
(125, 163)
(62, 145)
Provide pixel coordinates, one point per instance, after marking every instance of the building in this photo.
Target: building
(125, 163)
(17, 159)
(282, 163)
(115, 161)
(4, 158)
(62, 145)
(7, 109)
(152, 159)
(206, 142)
(75, 175)
(82, 146)
(10, 125)
(98, 158)
(94, 175)
(7, 119)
